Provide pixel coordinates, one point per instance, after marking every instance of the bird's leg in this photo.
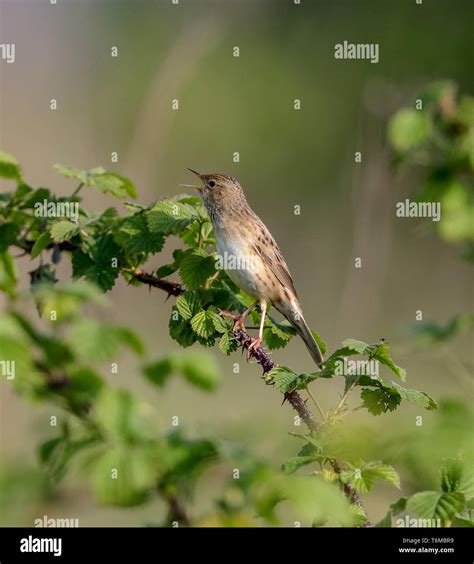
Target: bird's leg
(238, 319)
(259, 340)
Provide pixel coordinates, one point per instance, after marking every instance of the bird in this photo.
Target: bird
(257, 265)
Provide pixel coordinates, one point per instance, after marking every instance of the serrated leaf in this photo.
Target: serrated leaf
(188, 304)
(356, 346)
(380, 400)
(72, 172)
(228, 343)
(202, 324)
(364, 475)
(97, 265)
(283, 378)
(195, 268)
(456, 476)
(180, 330)
(435, 505)
(170, 217)
(106, 182)
(297, 462)
(419, 398)
(114, 184)
(220, 324)
(63, 230)
(135, 236)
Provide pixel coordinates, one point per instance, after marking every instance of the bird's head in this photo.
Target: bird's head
(217, 190)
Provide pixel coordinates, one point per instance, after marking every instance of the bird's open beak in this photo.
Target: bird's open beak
(192, 185)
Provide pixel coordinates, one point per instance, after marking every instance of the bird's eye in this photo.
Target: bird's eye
(212, 184)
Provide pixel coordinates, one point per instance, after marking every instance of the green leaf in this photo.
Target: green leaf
(203, 323)
(297, 462)
(8, 273)
(135, 236)
(63, 230)
(8, 234)
(283, 378)
(71, 172)
(123, 476)
(419, 398)
(98, 265)
(364, 475)
(195, 268)
(408, 129)
(100, 341)
(9, 167)
(200, 369)
(166, 270)
(316, 499)
(455, 476)
(66, 299)
(382, 354)
(435, 505)
(220, 325)
(355, 346)
(56, 454)
(188, 304)
(116, 413)
(170, 217)
(378, 351)
(41, 244)
(180, 330)
(380, 400)
(228, 343)
(114, 184)
(107, 182)
(159, 372)
(277, 335)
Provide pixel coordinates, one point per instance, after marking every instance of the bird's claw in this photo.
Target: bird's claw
(254, 344)
(238, 319)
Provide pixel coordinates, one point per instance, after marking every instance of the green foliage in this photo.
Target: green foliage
(438, 137)
(109, 433)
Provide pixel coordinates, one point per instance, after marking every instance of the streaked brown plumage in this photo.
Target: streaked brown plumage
(261, 269)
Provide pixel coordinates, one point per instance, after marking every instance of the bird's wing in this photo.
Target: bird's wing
(272, 257)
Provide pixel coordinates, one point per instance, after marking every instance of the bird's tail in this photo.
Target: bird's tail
(295, 317)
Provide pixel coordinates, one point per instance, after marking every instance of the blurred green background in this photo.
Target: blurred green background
(287, 158)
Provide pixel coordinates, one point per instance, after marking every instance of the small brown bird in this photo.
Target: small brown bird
(251, 257)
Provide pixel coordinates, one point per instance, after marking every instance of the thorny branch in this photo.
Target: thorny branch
(257, 353)
(299, 405)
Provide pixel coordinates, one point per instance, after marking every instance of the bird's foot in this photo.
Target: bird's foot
(254, 344)
(238, 319)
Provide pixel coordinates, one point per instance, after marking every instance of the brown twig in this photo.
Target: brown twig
(173, 288)
(299, 405)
